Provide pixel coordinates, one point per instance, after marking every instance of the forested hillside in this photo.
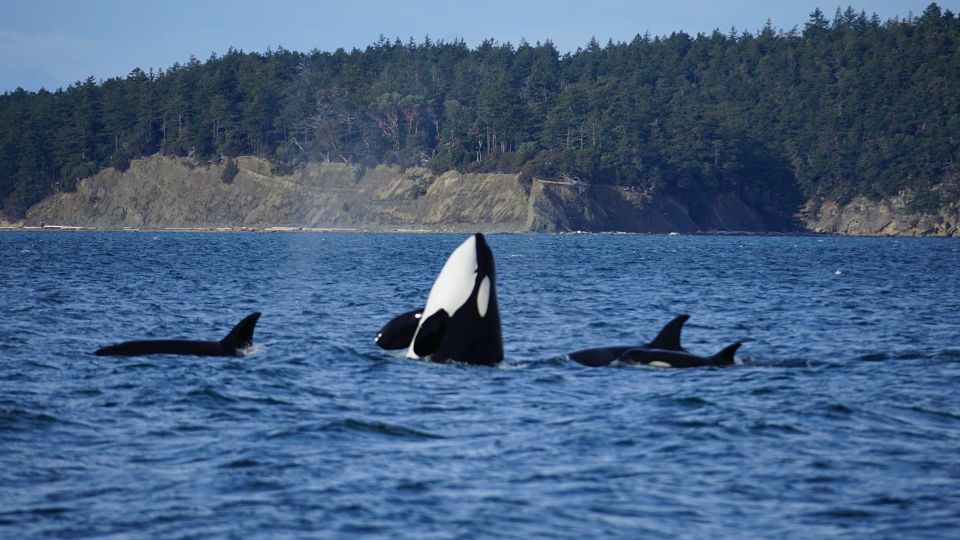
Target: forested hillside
(844, 106)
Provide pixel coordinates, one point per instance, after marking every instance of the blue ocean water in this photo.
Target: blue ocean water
(843, 418)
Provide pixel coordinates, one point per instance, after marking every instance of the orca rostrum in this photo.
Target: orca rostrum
(236, 343)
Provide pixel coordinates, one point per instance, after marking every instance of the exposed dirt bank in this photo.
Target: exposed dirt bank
(170, 193)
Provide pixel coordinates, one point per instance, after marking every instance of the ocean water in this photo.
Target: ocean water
(842, 419)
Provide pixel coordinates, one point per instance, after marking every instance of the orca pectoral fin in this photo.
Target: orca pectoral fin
(669, 337)
(725, 356)
(241, 336)
(399, 332)
(431, 334)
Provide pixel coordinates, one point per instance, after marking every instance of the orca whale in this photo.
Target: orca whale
(461, 320)
(664, 351)
(234, 344)
(668, 339)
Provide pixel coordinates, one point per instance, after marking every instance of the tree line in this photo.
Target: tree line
(844, 106)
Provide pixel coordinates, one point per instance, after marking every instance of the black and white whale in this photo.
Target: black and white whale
(236, 343)
(664, 351)
(461, 320)
(668, 339)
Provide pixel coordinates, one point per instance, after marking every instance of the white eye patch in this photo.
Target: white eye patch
(483, 296)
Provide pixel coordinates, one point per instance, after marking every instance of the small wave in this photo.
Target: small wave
(242, 463)
(910, 354)
(515, 365)
(552, 378)
(838, 409)
(844, 513)
(252, 350)
(767, 427)
(208, 394)
(873, 357)
(690, 402)
(8, 516)
(295, 431)
(784, 363)
(382, 428)
(889, 500)
(140, 365)
(14, 420)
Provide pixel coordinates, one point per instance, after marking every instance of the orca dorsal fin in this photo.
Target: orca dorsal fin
(241, 336)
(430, 334)
(725, 356)
(669, 337)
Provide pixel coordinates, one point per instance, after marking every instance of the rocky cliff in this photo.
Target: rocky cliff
(862, 217)
(162, 192)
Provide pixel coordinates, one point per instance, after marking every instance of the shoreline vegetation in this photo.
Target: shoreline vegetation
(848, 125)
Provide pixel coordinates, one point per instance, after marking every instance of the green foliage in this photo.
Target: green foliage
(848, 106)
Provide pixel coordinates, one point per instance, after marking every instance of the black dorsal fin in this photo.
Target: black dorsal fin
(725, 356)
(241, 336)
(669, 338)
(430, 334)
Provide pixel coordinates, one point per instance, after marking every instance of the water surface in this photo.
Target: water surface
(843, 418)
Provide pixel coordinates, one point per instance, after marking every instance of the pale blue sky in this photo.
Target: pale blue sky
(53, 43)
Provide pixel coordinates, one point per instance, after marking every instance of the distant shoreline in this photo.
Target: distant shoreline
(70, 228)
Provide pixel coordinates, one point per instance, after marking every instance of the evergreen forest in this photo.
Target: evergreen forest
(846, 105)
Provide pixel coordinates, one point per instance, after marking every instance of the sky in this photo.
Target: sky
(54, 43)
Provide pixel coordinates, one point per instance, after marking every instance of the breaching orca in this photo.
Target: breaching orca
(664, 351)
(461, 321)
(235, 344)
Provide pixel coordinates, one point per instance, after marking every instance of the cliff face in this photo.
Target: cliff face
(162, 192)
(862, 217)
(562, 207)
